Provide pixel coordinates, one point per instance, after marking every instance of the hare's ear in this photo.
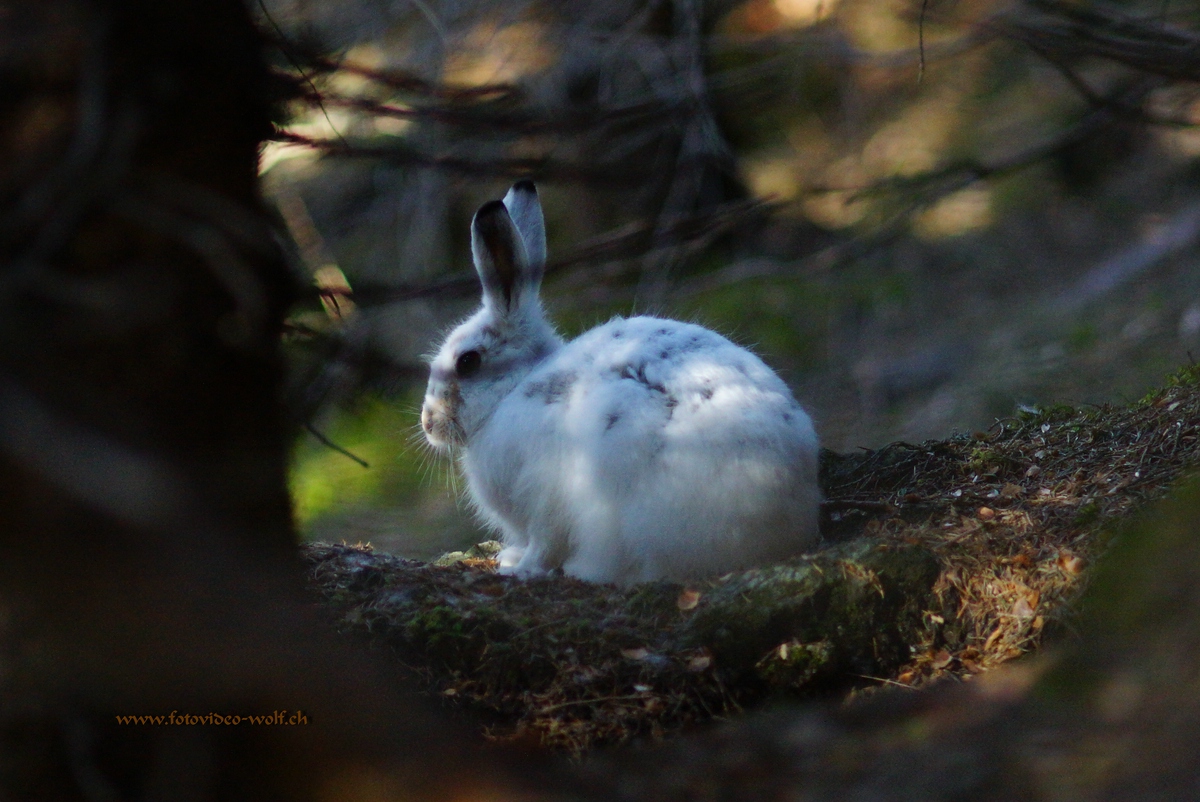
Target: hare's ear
(526, 211)
(501, 261)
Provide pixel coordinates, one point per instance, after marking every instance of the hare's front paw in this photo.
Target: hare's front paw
(508, 558)
(526, 561)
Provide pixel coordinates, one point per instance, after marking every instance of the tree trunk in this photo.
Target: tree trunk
(149, 564)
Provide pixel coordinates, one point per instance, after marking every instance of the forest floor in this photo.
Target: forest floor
(942, 560)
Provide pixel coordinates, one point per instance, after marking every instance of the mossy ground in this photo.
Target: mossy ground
(944, 560)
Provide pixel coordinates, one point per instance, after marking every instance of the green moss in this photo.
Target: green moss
(982, 460)
(1049, 413)
(1187, 376)
(455, 637)
(866, 600)
(1087, 515)
(655, 599)
(794, 664)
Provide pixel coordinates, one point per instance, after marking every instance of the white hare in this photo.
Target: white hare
(643, 449)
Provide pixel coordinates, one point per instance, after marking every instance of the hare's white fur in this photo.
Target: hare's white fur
(644, 449)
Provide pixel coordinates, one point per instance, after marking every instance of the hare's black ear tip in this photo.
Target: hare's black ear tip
(525, 185)
(488, 211)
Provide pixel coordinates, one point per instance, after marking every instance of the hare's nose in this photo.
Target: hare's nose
(426, 420)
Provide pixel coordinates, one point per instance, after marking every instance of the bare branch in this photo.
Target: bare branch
(399, 153)
(1105, 32)
(925, 189)
(1121, 108)
(833, 46)
(504, 117)
(325, 441)
(399, 80)
(628, 241)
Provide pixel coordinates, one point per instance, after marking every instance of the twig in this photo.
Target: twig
(1071, 29)
(887, 681)
(575, 702)
(932, 186)
(533, 167)
(631, 240)
(833, 46)
(285, 47)
(1112, 103)
(325, 441)
(920, 42)
(851, 504)
(479, 116)
(407, 82)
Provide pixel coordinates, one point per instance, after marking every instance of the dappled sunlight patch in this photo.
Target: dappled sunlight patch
(392, 126)
(772, 178)
(363, 56)
(967, 210)
(308, 123)
(1182, 143)
(758, 17)
(839, 201)
(328, 123)
(494, 54)
(879, 26)
(802, 13)
(272, 153)
(916, 139)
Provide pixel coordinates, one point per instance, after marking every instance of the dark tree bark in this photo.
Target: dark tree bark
(148, 562)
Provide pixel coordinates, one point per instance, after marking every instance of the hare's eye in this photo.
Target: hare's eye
(468, 364)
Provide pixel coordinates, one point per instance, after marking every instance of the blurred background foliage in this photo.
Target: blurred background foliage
(923, 214)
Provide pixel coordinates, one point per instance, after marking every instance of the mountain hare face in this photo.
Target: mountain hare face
(643, 449)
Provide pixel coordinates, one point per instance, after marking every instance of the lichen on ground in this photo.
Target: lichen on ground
(944, 559)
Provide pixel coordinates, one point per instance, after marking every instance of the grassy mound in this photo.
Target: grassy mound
(944, 559)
